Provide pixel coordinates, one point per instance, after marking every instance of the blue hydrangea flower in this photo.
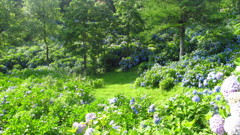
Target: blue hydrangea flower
(156, 119)
(216, 89)
(143, 84)
(200, 85)
(205, 92)
(205, 82)
(134, 109)
(151, 108)
(212, 103)
(210, 92)
(218, 97)
(194, 92)
(196, 98)
(132, 101)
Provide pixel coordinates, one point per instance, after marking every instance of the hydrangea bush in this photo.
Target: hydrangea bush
(198, 70)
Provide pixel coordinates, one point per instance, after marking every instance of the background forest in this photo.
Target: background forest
(119, 67)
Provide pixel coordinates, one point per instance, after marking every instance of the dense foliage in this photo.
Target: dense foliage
(54, 52)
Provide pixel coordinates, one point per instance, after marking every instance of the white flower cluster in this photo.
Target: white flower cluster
(232, 125)
(233, 98)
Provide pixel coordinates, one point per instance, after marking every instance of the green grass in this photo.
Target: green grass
(122, 83)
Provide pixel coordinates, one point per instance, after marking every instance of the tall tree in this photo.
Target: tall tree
(129, 20)
(86, 25)
(10, 24)
(44, 14)
(180, 14)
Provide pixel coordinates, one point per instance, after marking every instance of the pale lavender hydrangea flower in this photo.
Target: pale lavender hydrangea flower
(219, 75)
(230, 85)
(112, 100)
(116, 127)
(80, 127)
(89, 131)
(90, 116)
(111, 122)
(232, 125)
(217, 124)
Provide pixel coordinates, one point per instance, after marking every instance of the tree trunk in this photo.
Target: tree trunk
(46, 47)
(182, 38)
(85, 60)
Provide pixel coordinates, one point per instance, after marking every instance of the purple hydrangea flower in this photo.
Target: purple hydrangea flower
(230, 85)
(217, 124)
(196, 98)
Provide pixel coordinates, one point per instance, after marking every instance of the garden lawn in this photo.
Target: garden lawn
(117, 82)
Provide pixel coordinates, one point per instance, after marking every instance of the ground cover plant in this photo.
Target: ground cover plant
(119, 67)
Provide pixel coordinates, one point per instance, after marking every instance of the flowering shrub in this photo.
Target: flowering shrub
(66, 107)
(140, 55)
(197, 71)
(46, 102)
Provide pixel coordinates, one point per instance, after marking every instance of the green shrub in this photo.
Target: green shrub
(166, 84)
(3, 69)
(98, 83)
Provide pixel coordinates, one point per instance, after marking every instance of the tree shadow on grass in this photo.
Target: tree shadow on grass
(119, 77)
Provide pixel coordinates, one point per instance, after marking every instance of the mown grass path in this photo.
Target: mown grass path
(122, 83)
